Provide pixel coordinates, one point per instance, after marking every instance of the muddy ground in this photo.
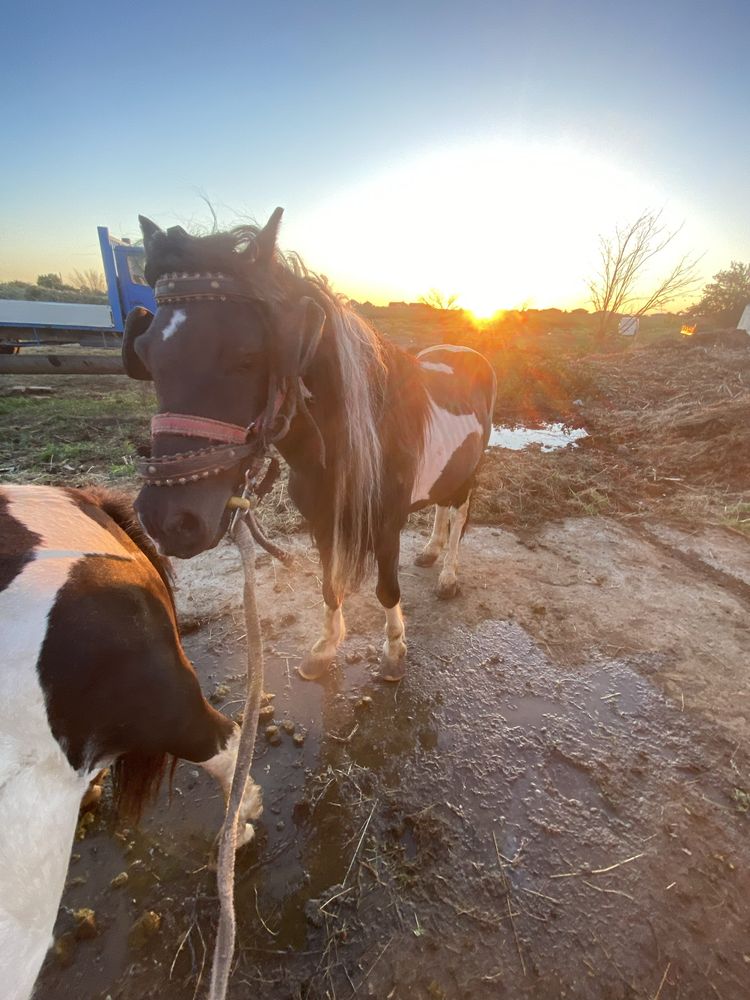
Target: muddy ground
(553, 803)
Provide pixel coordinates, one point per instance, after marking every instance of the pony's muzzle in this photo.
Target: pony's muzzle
(184, 520)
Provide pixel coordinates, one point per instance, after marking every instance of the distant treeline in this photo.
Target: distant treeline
(51, 288)
(417, 325)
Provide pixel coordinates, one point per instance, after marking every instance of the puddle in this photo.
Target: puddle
(549, 436)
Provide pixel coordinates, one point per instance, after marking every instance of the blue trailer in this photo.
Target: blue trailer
(25, 324)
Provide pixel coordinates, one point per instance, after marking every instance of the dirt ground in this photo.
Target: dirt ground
(554, 803)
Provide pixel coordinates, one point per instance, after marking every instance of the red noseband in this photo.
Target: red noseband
(190, 466)
(238, 445)
(200, 427)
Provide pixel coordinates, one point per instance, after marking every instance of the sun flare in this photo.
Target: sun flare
(501, 225)
(482, 310)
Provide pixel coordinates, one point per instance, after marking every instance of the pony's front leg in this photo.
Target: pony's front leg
(393, 660)
(318, 661)
(221, 768)
(447, 581)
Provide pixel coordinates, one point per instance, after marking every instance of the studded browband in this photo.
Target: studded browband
(184, 287)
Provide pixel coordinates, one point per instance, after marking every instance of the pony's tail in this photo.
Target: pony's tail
(136, 779)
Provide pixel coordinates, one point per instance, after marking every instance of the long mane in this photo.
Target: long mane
(357, 463)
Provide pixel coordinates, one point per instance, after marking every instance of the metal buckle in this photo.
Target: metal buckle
(243, 503)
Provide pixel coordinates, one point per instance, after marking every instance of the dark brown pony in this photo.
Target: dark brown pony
(248, 347)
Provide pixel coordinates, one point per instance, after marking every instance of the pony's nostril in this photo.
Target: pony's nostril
(186, 525)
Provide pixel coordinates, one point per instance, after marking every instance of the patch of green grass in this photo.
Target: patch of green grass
(69, 437)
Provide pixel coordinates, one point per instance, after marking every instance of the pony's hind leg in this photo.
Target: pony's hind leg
(438, 538)
(393, 659)
(447, 581)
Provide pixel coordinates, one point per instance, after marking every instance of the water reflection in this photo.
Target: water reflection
(549, 436)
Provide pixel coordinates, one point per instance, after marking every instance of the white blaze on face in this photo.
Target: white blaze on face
(444, 435)
(177, 319)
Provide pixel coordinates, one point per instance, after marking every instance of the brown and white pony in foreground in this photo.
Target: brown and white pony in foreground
(92, 674)
(248, 347)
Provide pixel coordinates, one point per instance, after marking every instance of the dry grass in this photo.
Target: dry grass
(669, 436)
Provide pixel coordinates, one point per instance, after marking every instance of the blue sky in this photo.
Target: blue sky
(111, 110)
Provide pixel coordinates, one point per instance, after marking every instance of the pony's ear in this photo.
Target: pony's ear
(137, 322)
(265, 241)
(177, 233)
(298, 337)
(151, 232)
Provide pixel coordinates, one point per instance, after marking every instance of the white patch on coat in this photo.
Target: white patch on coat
(39, 791)
(444, 434)
(177, 319)
(58, 520)
(334, 631)
(394, 647)
(437, 366)
(221, 768)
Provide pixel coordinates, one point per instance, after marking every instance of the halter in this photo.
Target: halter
(237, 443)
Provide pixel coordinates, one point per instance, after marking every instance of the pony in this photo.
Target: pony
(248, 348)
(92, 675)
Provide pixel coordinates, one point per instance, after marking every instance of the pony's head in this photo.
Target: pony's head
(233, 327)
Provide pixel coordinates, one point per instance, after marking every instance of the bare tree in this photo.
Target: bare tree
(624, 261)
(89, 280)
(438, 300)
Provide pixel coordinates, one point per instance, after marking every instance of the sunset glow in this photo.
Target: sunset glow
(479, 149)
(502, 224)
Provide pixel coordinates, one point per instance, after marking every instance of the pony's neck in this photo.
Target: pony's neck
(300, 446)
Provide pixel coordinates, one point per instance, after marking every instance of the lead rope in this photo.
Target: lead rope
(225, 935)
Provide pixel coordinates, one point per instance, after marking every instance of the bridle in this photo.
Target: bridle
(236, 445)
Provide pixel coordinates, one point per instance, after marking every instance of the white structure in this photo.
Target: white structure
(70, 315)
(629, 326)
(744, 323)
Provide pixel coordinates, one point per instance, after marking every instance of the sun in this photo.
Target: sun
(501, 224)
(481, 309)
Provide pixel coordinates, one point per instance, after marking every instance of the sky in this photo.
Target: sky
(479, 148)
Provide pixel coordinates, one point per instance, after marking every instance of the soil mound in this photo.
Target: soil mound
(683, 413)
(669, 433)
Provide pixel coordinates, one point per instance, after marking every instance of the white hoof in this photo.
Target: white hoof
(252, 802)
(245, 835)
